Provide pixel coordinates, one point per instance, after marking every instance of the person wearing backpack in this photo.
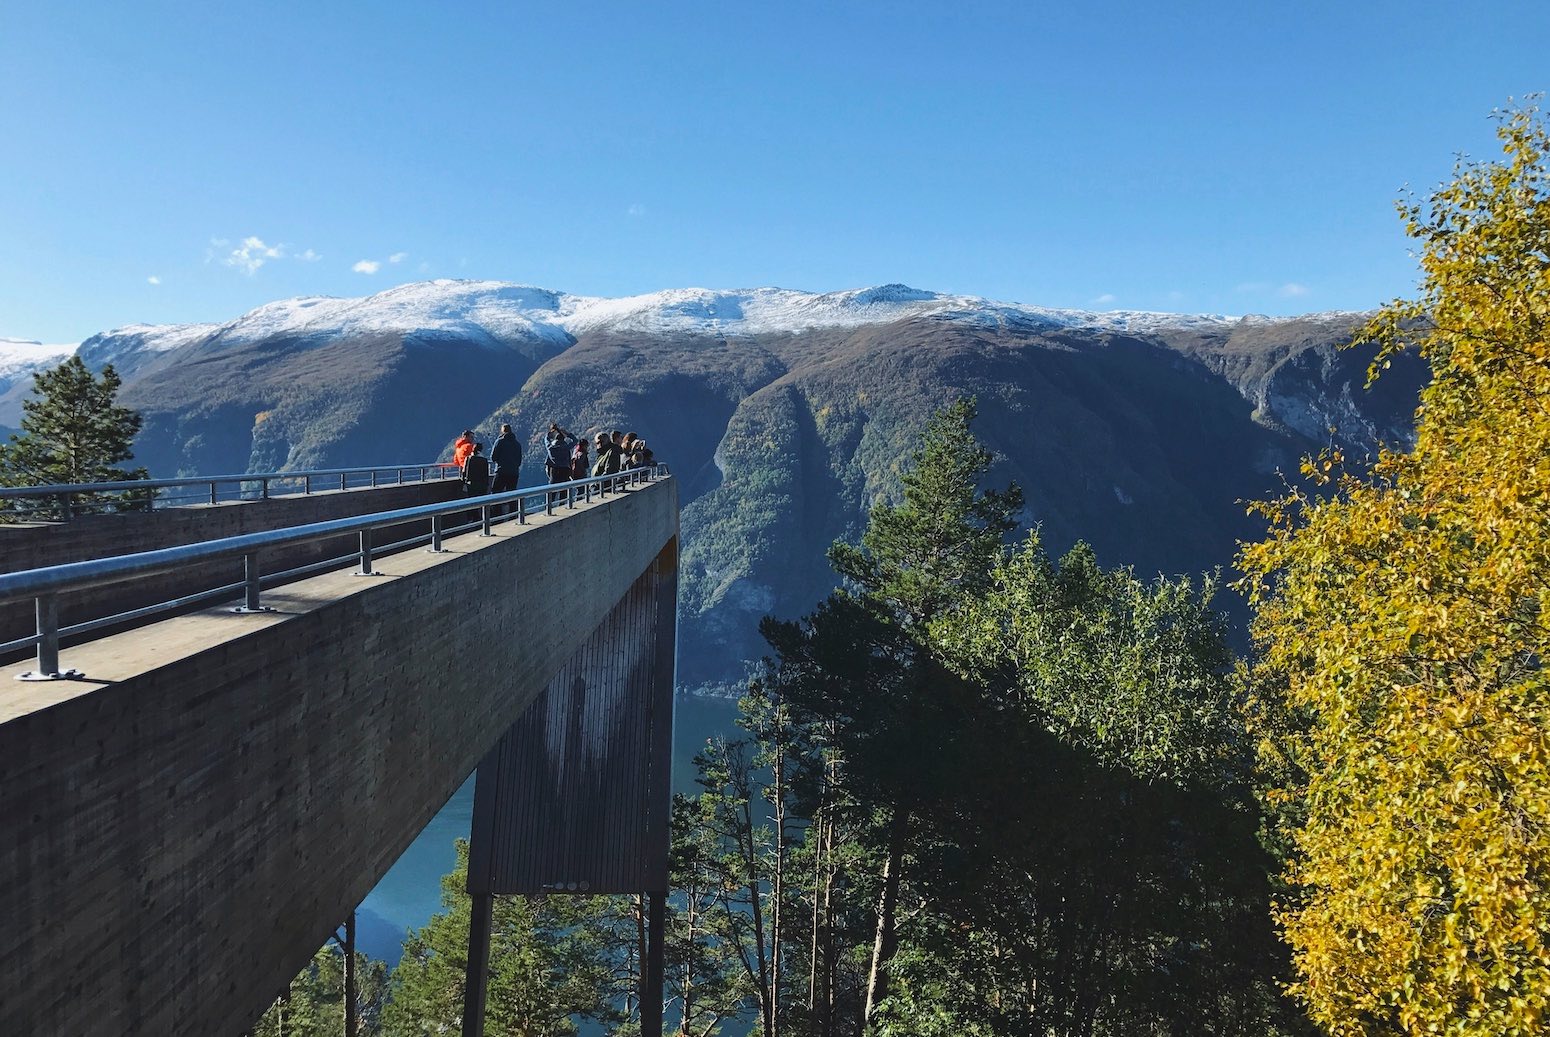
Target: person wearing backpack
(476, 473)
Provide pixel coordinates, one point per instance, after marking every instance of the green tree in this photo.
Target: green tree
(313, 1006)
(74, 431)
(549, 967)
(1104, 865)
(916, 560)
(1402, 623)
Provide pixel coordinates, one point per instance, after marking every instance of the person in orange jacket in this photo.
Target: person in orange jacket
(463, 447)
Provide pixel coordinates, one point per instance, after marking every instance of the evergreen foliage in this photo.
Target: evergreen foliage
(74, 431)
(1403, 701)
(314, 1004)
(551, 965)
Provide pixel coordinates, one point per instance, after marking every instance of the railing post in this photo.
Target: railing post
(422, 475)
(212, 491)
(264, 493)
(521, 513)
(570, 497)
(251, 586)
(66, 510)
(343, 483)
(436, 533)
(365, 569)
(548, 503)
(374, 478)
(306, 484)
(484, 521)
(48, 644)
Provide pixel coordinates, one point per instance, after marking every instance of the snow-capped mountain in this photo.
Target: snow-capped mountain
(786, 414)
(19, 359)
(22, 356)
(498, 310)
(497, 313)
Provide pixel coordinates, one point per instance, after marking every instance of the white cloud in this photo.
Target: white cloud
(153, 279)
(308, 256)
(253, 254)
(424, 267)
(398, 257)
(367, 266)
(636, 209)
(1103, 300)
(1291, 290)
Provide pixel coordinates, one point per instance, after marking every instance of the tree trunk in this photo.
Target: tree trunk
(886, 944)
(778, 880)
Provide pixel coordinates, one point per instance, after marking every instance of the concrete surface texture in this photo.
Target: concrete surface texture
(187, 823)
(102, 536)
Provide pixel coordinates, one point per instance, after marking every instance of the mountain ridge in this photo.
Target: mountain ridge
(785, 415)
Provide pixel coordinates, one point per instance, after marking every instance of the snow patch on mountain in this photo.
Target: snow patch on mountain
(23, 356)
(479, 310)
(500, 314)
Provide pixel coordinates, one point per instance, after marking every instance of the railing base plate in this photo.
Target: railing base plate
(63, 675)
(243, 610)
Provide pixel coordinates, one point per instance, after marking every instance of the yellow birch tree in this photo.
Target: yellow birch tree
(1403, 626)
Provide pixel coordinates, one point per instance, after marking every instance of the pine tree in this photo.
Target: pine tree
(74, 431)
(549, 965)
(870, 673)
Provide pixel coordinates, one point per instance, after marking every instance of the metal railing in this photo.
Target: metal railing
(44, 586)
(60, 499)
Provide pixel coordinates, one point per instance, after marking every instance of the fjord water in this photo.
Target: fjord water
(410, 892)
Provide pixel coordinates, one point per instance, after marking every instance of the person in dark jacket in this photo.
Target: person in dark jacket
(506, 457)
(558, 443)
(579, 462)
(476, 473)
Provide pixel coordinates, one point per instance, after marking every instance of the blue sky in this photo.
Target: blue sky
(165, 162)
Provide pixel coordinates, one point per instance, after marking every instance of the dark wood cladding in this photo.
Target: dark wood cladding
(576, 796)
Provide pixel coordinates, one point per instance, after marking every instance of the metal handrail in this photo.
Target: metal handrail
(65, 491)
(44, 585)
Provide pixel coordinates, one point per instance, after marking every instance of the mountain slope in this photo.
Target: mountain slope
(786, 414)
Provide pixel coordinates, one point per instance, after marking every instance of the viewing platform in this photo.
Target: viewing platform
(205, 790)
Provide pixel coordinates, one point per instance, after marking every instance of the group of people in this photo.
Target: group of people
(566, 457)
(616, 452)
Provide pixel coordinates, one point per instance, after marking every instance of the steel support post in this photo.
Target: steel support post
(48, 635)
(251, 586)
(477, 981)
(651, 975)
(436, 534)
(484, 521)
(365, 554)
